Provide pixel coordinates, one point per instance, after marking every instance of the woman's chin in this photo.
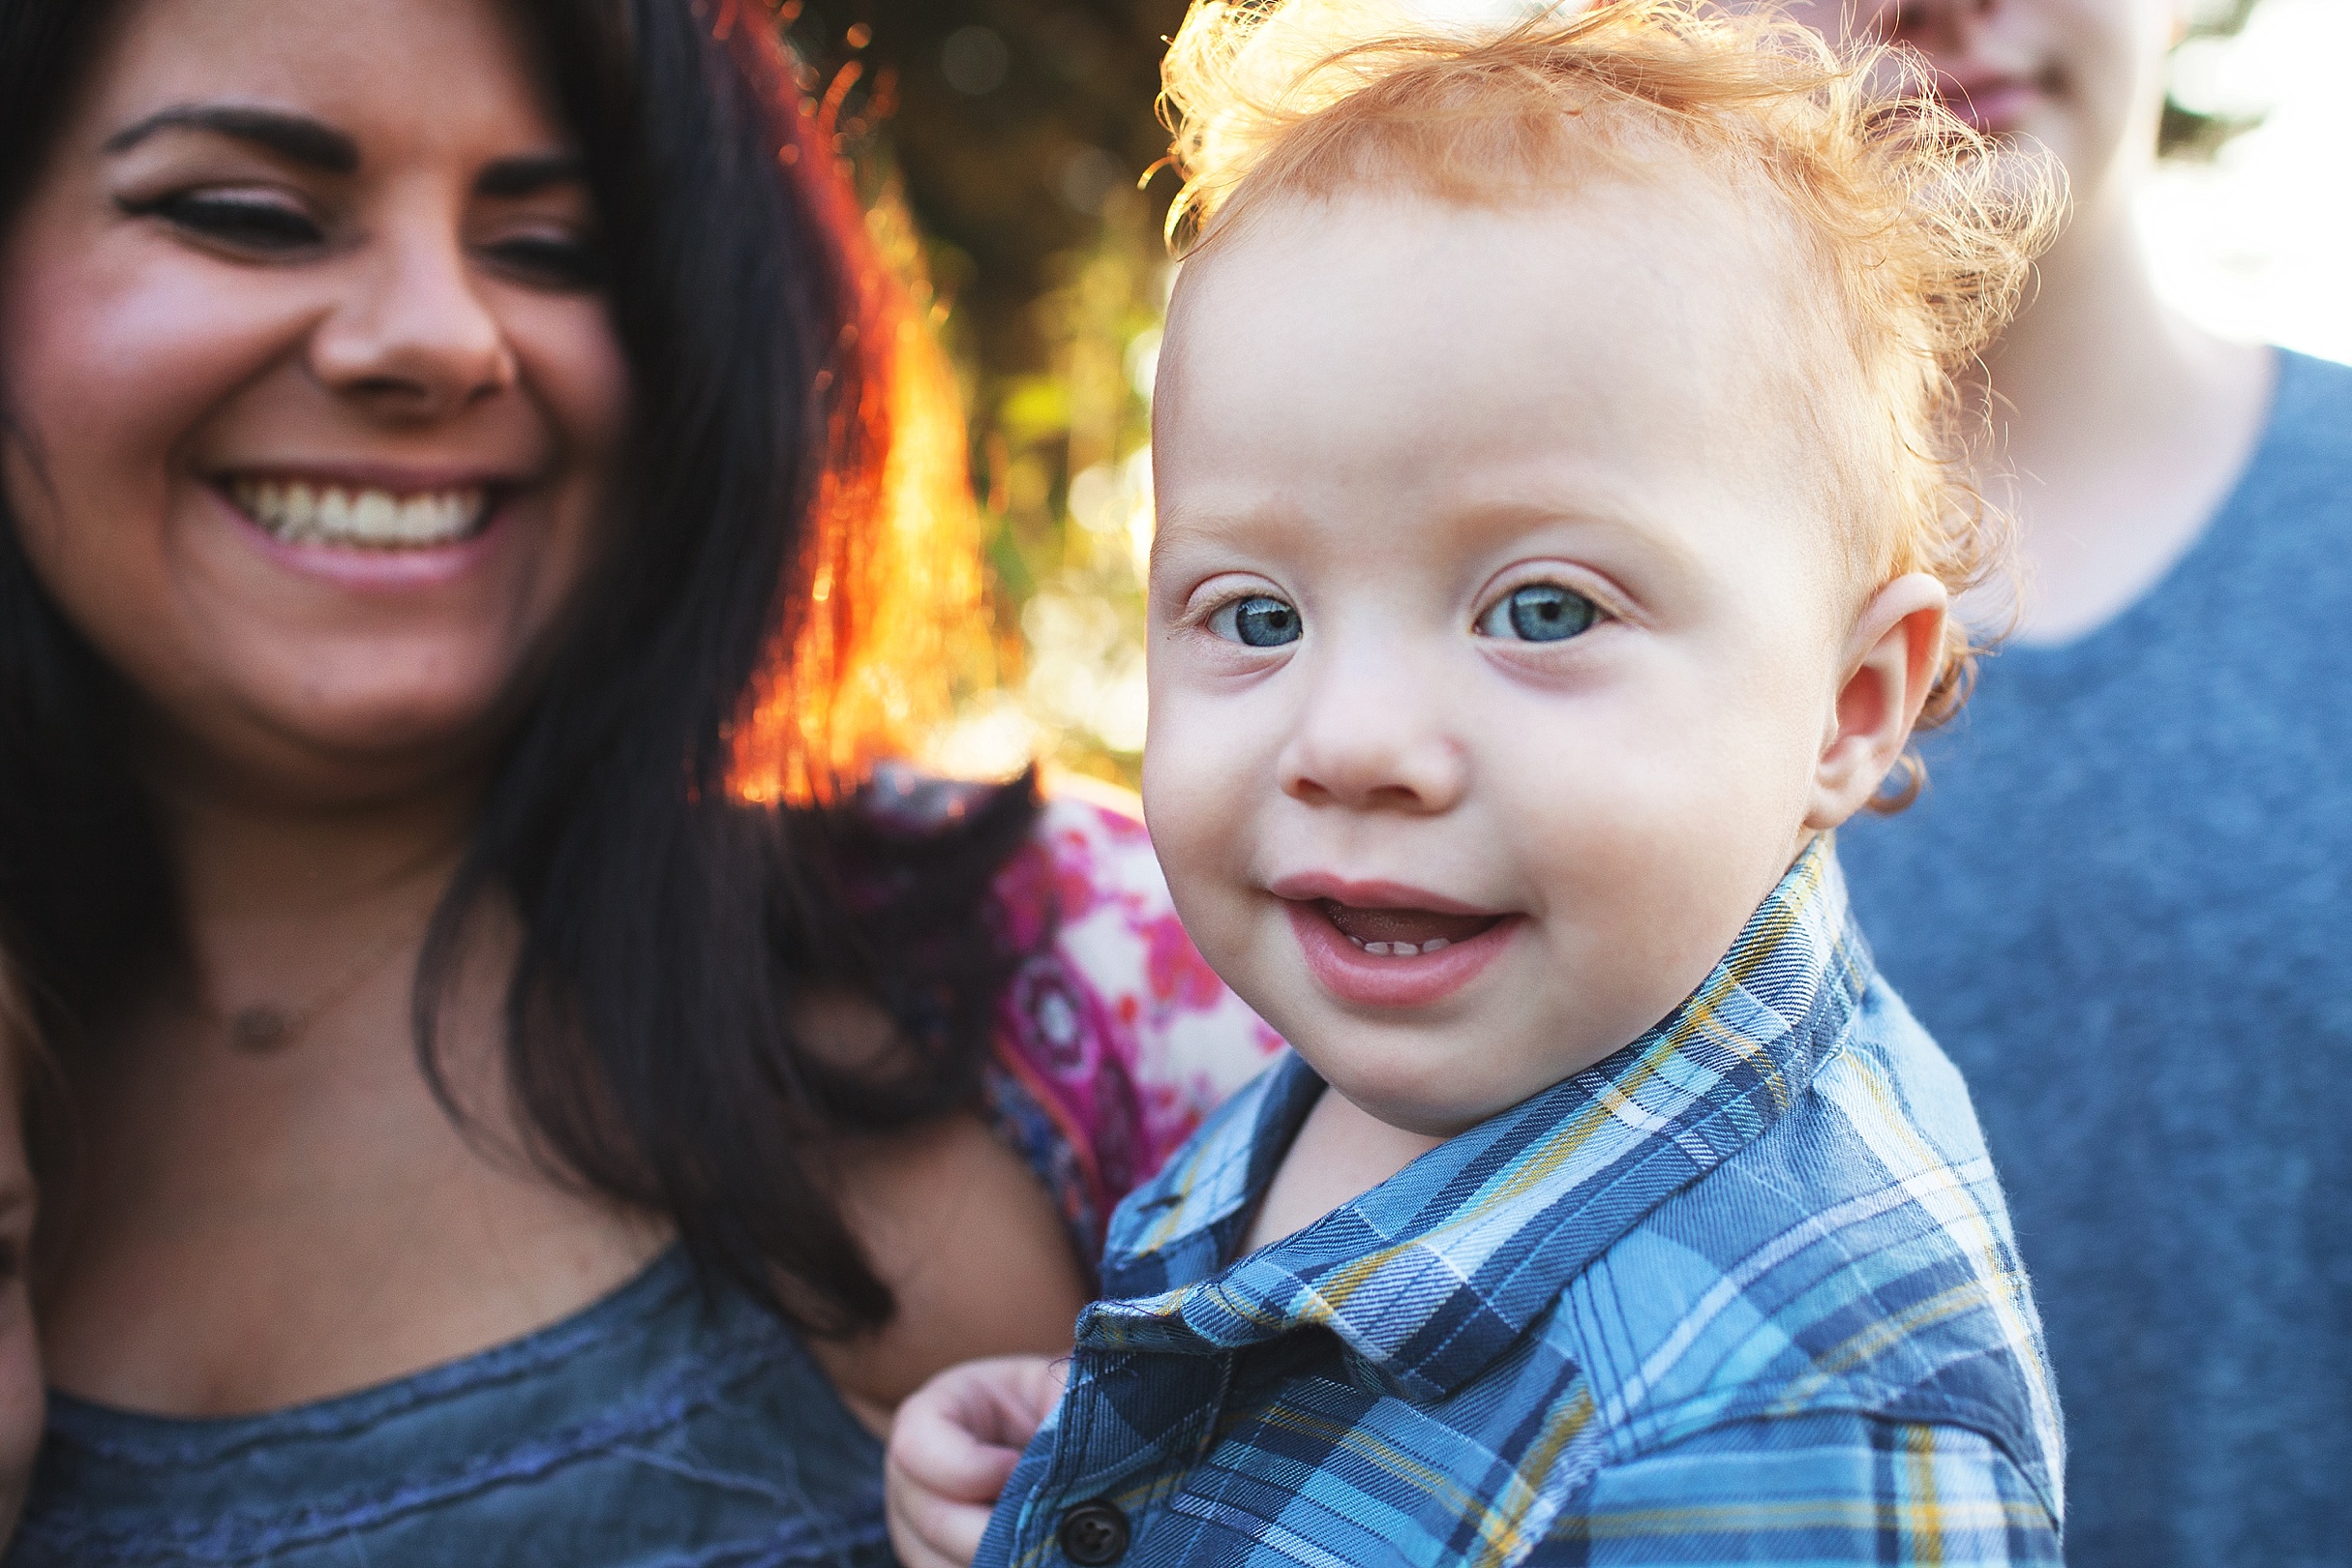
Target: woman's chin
(335, 746)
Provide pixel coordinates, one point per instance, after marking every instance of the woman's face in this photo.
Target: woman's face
(2083, 78)
(311, 393)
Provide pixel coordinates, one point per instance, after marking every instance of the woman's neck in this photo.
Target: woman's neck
(280, 898)
(2123, 425)
(274, 1203)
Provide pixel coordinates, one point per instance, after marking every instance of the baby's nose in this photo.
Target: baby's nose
(1375, 737)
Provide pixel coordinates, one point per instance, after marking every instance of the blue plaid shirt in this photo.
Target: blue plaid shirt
(1743, 1292)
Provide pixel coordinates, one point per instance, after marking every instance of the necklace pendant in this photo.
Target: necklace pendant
(259, 1030)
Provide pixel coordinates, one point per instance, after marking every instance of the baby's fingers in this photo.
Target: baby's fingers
(928, 1531)
(943, 1445)
(953, 1447)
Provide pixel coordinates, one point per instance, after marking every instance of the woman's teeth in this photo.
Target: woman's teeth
(302, 513)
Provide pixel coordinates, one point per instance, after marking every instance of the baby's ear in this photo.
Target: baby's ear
(1891, 662)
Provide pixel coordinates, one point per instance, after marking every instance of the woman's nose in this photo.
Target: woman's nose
(1375, 738)
(415, 339)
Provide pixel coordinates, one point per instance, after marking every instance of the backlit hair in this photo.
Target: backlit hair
(1921, 239)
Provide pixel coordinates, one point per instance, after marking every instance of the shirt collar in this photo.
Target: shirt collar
(1435, 1272)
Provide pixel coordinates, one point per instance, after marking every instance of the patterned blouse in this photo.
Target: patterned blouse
(1116, 1040)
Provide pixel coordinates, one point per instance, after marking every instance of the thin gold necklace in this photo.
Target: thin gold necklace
(265, 1028)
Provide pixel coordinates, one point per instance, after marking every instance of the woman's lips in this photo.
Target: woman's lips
(1388, 957)
(363, 569)
(1993, 105)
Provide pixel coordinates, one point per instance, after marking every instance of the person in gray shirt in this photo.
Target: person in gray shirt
(2121, 905)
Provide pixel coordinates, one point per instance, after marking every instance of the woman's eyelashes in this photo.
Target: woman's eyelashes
(1256, 621)
(546, 260)
(253, 224)
(275, 229)
(1538, 613)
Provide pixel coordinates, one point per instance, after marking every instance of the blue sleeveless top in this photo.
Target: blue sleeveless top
(2122, 907)
(665, 1425)
(660, 1425)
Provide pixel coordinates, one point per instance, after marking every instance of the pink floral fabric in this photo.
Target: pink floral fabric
(1115, 1039)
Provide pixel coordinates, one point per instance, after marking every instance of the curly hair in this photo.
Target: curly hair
(1921, 238)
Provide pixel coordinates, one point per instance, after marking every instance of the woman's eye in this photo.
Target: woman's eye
(549, 261)
(1258, 621)
(1539, 612)
(244, 223)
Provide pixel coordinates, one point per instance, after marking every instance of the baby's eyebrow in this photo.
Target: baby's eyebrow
(294, 136)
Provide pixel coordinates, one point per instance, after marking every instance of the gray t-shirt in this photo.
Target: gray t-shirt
(2125, 908)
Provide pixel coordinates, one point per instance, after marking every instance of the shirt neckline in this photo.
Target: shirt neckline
(650, 1290)
(2288, 371)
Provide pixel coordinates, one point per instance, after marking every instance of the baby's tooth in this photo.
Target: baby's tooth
(1435, 945)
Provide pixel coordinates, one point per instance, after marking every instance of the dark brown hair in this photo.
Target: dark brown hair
(672, 915)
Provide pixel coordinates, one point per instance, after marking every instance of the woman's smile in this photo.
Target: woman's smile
(377, 528)
(323, 510)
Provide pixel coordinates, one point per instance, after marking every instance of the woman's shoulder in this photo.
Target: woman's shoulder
(2299, 477)
(1114, 1038)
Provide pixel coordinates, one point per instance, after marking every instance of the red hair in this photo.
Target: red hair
(1920, 237)
(885, 615)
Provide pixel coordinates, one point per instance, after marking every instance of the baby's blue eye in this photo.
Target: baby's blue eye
(1539, 612)
(1258, 621)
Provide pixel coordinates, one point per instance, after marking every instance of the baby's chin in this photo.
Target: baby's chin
(1433, 1095)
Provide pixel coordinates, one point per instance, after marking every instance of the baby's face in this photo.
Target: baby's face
(1496, 627)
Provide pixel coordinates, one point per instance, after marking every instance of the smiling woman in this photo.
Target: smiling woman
(423, 424)
(355, 412)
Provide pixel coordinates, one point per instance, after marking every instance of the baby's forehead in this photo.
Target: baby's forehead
(1731, 261)
(1664, 295)
(1627, 348)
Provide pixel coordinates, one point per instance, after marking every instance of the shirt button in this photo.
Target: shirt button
(1094, 1533)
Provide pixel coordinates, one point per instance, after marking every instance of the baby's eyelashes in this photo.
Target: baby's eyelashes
(1538, 613)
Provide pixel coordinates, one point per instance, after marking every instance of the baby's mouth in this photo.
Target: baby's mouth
(1403, 933)
(360, 516)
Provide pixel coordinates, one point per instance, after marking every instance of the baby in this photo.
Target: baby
(1558, 508)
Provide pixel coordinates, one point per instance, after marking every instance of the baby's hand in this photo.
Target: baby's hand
(952, 1445)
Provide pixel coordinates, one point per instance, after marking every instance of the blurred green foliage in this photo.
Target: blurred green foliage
(1015, 132)
(2187, 131)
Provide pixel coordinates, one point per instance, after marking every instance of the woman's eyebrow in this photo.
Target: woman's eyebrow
(529, 173)
(295, 137)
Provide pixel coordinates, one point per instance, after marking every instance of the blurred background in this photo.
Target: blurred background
(1003, 141)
